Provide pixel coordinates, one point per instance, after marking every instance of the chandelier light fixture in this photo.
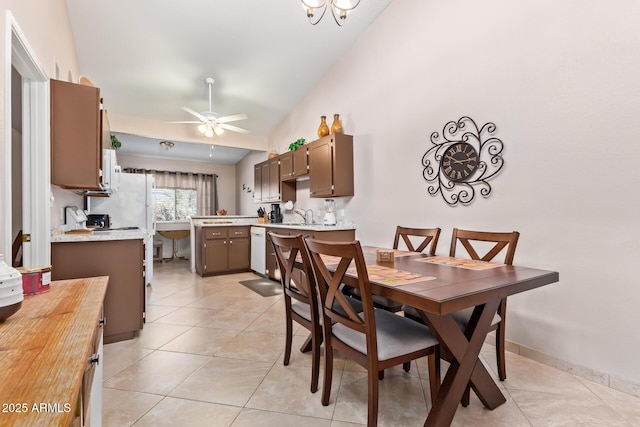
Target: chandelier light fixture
(167, 145)
(339, 9)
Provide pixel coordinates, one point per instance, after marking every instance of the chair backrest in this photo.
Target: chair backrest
(335, 304)
(430, 238)
(500, 240)
(287, 249)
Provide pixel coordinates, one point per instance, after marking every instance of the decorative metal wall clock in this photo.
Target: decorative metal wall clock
(462, 159)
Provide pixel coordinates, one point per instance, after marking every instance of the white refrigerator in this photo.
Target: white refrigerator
(131, 206)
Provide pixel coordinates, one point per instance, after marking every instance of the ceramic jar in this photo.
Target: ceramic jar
(11, 294)
(336, 126)
(323, 129)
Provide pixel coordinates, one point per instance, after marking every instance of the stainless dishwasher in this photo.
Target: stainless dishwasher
(258, 250)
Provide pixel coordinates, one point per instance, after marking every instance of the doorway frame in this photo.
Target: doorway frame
(36, 152)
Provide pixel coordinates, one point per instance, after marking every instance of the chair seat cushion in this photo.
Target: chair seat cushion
(302, 309)
(396, 335)
(461, 316)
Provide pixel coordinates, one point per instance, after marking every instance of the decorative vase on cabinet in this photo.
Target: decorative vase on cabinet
(336, 127)
(323, 129)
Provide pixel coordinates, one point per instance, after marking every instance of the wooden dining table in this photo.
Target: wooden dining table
(439, 286)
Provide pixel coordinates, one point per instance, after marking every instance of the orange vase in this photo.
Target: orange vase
(336, 127)
(323, 129)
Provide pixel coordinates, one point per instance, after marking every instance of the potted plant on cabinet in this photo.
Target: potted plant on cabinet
(296, 144)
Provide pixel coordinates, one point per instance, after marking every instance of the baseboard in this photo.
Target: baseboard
(621, 384)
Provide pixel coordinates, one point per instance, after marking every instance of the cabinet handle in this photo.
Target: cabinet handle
(102, 321)
(95, 359)
(225, 242)
(230, 241)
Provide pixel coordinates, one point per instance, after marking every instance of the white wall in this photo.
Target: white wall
(561, 82)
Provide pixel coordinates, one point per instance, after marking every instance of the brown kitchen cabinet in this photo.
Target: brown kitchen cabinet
(123, 262)
(257, 183)
(79, 132)
(222, 249)
(330, 236)
(331, 166)
(294, 164)
(267, 174)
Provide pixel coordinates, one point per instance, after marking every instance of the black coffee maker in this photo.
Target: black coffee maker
(275, 215)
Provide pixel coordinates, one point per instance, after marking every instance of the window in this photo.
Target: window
(174, 204)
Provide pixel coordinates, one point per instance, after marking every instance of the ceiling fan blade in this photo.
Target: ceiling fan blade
(233, 128)
(195, 113)
(232, 118)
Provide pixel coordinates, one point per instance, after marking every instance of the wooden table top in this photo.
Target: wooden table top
(448, 288)
(44, 348)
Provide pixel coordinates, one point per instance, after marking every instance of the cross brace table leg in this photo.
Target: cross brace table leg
(465, 368)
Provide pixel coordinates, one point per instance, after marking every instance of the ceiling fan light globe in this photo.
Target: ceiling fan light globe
(202, 128)
(208, 133)
(218, 130)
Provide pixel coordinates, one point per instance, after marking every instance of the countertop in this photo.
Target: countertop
(289, 226)
(44, 349)
(311, 227)
(96, 236)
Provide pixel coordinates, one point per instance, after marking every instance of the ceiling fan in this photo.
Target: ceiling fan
(209, 121)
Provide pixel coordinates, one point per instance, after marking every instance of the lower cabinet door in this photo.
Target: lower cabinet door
(216, 256)
(239, 255)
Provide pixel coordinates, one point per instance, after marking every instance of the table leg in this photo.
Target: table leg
(465, 368)
(175, 248)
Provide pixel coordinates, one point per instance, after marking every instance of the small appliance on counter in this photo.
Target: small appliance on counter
(98, 221)
(329, 212)
(75, 218)
(11, 294)
(275, 216)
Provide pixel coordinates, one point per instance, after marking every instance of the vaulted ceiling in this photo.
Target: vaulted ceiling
(150, 58)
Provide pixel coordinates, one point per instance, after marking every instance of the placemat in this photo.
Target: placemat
(390, 276)
(470, 264)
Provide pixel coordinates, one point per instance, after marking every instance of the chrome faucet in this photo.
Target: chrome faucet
(300, 213)
(308, 219)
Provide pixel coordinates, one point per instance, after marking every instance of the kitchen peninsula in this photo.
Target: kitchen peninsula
(117, 254)
(214, 236)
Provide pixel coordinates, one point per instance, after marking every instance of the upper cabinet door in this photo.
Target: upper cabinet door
(301, 161)
(321, 167)
(286, 166)
(75, 136)
(257, 183)
(331, 166)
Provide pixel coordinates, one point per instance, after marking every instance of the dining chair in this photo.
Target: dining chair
(475, 243)
(375, 339)
(300, 297)
(427, 239)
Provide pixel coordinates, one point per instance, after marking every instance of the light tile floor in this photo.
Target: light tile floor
(211, 354)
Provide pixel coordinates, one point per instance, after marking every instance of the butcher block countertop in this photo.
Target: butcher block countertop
(44, 349)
